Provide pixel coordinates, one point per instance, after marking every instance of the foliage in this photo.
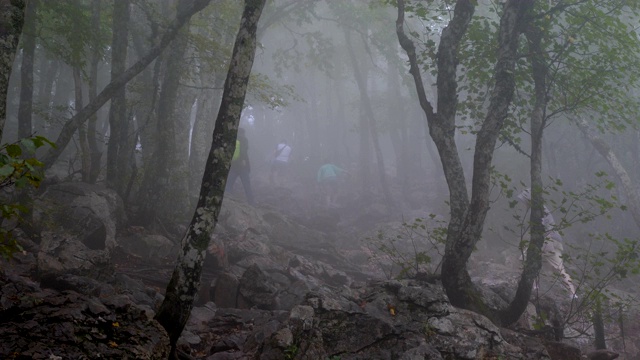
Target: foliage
(407, 251)
(291, 351)
(598, 263)
(17, 171)
(58, 33)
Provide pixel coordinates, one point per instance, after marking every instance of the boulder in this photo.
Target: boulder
(76, 224)
(152, 248)
(62, 253)
(90, 212)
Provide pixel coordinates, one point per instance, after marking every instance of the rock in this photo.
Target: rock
(153, 248)
(256, 289)
(226, 290)
(89, 212)
(602, 354)
(62, 253)
(45, 323)
(76, 224)
(561, 351)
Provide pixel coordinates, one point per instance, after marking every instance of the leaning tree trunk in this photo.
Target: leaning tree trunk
(11, 22)
(182, 288)
(25, 127)
(628, 185)
(70, 127)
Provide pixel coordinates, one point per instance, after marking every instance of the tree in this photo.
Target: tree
(117, 152)
(560, 75)
(68, 130)
(468, 215)
(11, 22)
(26, 71)
(183, 286)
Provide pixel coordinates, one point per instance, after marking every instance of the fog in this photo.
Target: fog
(304, 90)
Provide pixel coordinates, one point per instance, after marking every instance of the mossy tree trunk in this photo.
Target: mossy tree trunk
(467, 214)
(185, 280)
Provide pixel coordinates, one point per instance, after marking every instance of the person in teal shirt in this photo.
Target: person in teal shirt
(327, 179)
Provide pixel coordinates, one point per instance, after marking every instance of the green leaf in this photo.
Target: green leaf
(6, 170)
(28, 145)
(14, 150)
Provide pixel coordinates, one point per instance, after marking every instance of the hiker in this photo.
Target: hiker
(240, 167)
(280, 162)
(552, 248)
(328, 181)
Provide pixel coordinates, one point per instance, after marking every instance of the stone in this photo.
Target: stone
(226, 290)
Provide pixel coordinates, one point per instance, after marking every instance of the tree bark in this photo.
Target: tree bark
(628, 185)
(184, 283)
(159, 190)
(370, 119)
(467, 217)
(94, 149)
(25, 110)
(118, 121)
(533, 262)
(111, 89)
(11, 23)
(85, 156)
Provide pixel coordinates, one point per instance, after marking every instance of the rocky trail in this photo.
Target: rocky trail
(276, 285)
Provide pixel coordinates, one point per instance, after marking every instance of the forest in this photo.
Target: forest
(361, 179)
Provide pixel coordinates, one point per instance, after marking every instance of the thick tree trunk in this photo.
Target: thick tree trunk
(118, 121)
(442, 125)
(456, 279)
(25, 126)
(160, 197)
(467, 217)
(11, 22)
(183, 287)
(70, 127)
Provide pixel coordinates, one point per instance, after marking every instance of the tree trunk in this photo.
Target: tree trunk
(178, 302)
(70, 127)
(11, 22)
(467, 217)
(45, 92)
(82, 132)
(118, 121)
(533, 262)
(25, 126)
(94, 149)
(628, 185)
(159, 191)
(370, 119)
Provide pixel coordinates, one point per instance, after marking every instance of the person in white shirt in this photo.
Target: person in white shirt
(552, 249)
(280, 162)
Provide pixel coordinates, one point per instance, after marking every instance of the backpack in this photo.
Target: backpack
(236, 152)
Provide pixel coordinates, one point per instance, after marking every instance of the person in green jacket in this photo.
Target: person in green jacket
(240, 167)
(328, 181)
